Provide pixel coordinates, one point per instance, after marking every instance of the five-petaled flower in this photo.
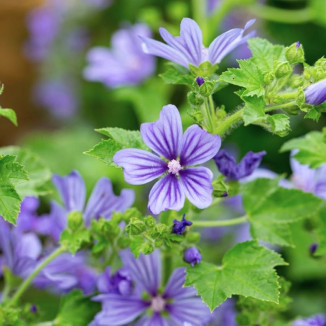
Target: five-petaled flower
(180, 153)
(188, 49)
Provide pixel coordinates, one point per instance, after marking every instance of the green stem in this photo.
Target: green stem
(209, 116)
(167, 265)
(6, 291)
(46, 323)
(287, 16)
(237, 116)
(206, 224)
(23, 287)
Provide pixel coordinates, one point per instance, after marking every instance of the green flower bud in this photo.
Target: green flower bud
(296, 81)
(283, 69)
(149, 221)
(196, 114)
(294, 53)
(75, 220)
(292, 110)
(268, 78)
(301, 98)
(321, 63)
(195, 99)
(135, 226)
(193, 237)
(318, 73)
(207, 88)
(147, 248)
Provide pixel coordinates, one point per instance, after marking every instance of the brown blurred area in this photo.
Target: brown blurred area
(16, 72)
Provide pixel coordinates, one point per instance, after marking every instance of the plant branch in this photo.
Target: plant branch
(234, 221)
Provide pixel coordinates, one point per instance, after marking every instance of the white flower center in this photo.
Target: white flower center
(158, 304)
(174, 167)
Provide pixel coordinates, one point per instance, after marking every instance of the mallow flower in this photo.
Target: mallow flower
(102, 202)
(315, 94)
(173, 305)
(317, 320)
(125, 63)
(188, 49)
(174, 160)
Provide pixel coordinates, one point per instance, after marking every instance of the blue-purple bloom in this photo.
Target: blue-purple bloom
(228, 167)
(179, 227)
(192, 256)
(307, 179)
(317, 320)
(188, 49)
(224, 315)
(175, 305)
(125, 63)
(180, 152)
(315, 94)
(57, 96)
(200, 81)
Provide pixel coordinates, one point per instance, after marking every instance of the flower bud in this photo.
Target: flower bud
(200, 81)
(206, 89)
(315, 94)
(179, 227)
(195, 99)
(192, 256)
(75, 220)
(283, 69)
(296, 81)
(294, 53)
(149, 221)
(147, 248)
(135, 226)
(321, 63)
(268, 78)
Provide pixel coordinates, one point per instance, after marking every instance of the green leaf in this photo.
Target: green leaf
(321, 251)
(176, 74)
(9, 114)
(10, 172)
(248, 76)
(254, 110)
(118, 139)
(313, 114)
(38, 173)
(265, 53)
(270, 209)
(312, 149)
(278, 124)
(247, 269)
(76, 310)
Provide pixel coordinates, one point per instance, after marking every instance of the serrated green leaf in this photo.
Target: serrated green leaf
(312, 149)
(313, 114)
(76, 310)
(10, 114)
(247, 269)
(118, 139)
(265, 53)
(278, 124)
(248, 76)
(270, 209)
(38, 174)
(254, 110)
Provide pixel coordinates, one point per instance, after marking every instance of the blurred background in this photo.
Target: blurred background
(71, 66)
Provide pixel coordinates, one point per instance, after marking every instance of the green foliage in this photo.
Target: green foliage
(270, 209)
(176, 74)
(247, 269)
(76, 310)
(220, 188)
(10, 171)
(322, 231)
(311, 148)
(8, 113)
(118, 139)
(76, 235)
(254, 312)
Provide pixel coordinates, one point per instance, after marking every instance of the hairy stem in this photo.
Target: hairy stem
(24, 286)
(206, 224)
(288, 16)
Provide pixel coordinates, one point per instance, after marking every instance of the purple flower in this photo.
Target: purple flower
(309, 180)
(317, 320)
(225, 314)
(20, 251)
(180, 151)
(123, 64)
(175, 305)
(179, 227)
(200, 81)
(316, 93)
(188, 48)
(102, 202)
(118, 283)
(57, 96)
(192, 256)
(68, 272)
(233, 171)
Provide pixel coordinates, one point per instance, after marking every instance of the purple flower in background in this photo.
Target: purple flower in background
(67, 272)
(317, 320)
(19, 251)
(225, 314)
(180, 151)
(98, 4)
(175, 305)
(123, 64)
(179, 227)
(316, 93)
(102, 202)
(57, 96)
(119, 283)
(228, 167)
(188, 48)
(192, 256)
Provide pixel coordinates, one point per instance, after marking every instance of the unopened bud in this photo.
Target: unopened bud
(195, 99)
(283, 69)
(294, 53)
